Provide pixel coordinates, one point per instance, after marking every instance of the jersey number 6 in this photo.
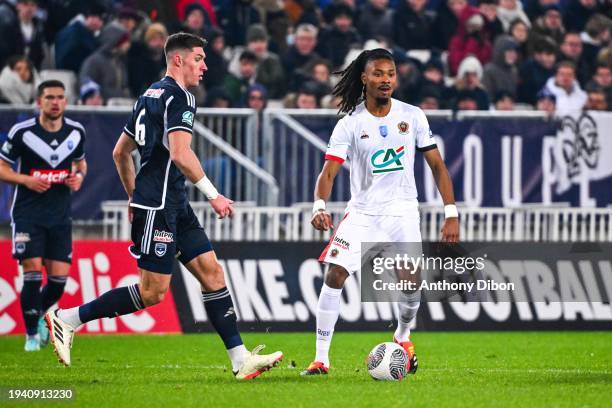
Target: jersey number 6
(140, 129)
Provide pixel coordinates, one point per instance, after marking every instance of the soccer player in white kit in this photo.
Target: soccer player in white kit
(379, 136)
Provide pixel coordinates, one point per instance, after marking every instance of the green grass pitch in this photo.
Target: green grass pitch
(513, 369)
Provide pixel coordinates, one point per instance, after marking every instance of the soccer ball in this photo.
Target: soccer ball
(388, 362)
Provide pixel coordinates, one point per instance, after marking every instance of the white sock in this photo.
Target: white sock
(237, 355)
(328, 310)
(408, 311)
(33, 336)
(70, 316)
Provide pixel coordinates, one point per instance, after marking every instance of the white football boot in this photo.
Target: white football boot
(255, 364)
(61, 335)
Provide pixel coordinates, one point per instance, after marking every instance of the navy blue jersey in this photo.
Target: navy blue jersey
(48, 155)
(164, 108)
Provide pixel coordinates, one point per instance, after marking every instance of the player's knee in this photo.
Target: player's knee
(153, 296)
(335, 277)
(34, 264)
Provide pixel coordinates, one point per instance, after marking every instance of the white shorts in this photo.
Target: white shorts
(344, 247)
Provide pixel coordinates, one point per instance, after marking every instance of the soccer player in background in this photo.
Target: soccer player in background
(164, 226)
(383, 192)
(51, 157)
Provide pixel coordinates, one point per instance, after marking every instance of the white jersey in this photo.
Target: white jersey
(381, 153)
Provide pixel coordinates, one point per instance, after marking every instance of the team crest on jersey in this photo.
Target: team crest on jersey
(334, 253)
(403, 127)
(153, 93)
(6, 147)
(160, 249)
(70, 145)
(54, 159)
(387, 160)
(20, 247)
(188, 118)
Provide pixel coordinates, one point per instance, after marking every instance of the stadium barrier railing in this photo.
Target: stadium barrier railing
(292, 223)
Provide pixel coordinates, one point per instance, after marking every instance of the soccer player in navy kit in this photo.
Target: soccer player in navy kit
(51, 164)
(164, 226)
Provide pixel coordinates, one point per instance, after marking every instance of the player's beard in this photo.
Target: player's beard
(52, 116)
(381, 100)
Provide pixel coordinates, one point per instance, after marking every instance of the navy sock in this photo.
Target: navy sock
(31, 300)
(115, 302)
(220, 310)
(53, 291)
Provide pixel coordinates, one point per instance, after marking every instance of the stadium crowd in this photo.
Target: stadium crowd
(550, 55)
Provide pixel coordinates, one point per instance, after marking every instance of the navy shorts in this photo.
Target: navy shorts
(34, 240)
(160, 236)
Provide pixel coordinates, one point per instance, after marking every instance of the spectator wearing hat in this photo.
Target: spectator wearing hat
(215, 60)
(412, 25)
(22, 32)
(501, 74)
(182, 7)
(468, 80)
(335, 41)
(535, 9)
(235, 17)
(18, 81)
(90, 94)
(129, 19)
(307, 97)
(108, 66)
(270, 71)
(548, 25)
(196, 21)
(236, 84)
(429, 99)
(535, 71)
(546, 101)
(78, 40)
(503, 101)
(510, 10)
(569, 95)
(466, 100)
(578, 12)
(375, 20)
(470, 39)
(256, 97)
(146, 60)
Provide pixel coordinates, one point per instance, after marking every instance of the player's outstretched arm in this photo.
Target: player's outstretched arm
(450, 230)
(8, 175)
(321, 219)
(185, 159)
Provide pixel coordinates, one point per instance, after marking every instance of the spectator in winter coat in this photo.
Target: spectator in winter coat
(596, 100)
(510, 10)
(536, 70)
(447, 21)
(237, 83)
(22, 33)
(578, 12)
(570, 97)
(595, 35)
(520, 33)
(270, 71)
(335, 42)
(215, 60)
(603, 80)
(501, 73)
(488, 9)
(377, 11)
(18, 81)
(146, 60)
(303, 50)
(571, 50)
(108, 66)
(546, 101)
(235, 17)
(549, 25)
(77, 41)
(471, 39)
(412, 25)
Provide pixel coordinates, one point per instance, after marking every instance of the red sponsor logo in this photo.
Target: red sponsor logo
(52, 176)
(97, 267)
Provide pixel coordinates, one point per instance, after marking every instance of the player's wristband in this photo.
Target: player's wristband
(450, 211)
(318, 205)
(207, 188)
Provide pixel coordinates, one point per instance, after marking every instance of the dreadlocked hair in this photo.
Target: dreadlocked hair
(350, 88)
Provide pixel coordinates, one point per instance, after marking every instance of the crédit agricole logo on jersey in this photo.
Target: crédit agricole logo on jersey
(387, 160)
